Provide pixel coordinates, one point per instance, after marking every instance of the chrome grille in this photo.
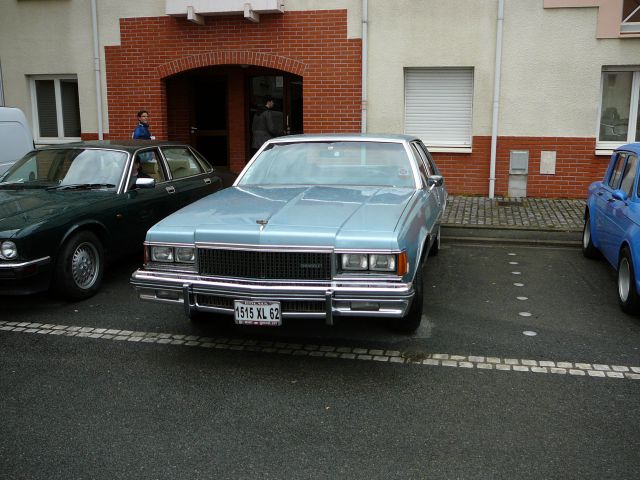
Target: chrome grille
(264, 265)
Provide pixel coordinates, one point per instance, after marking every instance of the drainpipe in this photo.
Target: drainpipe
(96, 66)
(365, 28)
(496, 99)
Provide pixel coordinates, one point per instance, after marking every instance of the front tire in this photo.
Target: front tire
(627, 293)
(411, 321)
(80, 266)
(588, 248)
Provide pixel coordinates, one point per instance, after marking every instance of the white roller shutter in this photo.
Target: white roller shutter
(438, 105)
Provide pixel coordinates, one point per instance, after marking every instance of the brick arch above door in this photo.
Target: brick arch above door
(231, 57)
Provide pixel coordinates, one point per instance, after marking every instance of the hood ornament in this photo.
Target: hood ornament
(262, 223)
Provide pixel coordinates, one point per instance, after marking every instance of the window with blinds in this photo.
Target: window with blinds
(56, 108)
(439, 105)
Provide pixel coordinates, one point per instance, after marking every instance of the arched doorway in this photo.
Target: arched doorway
(212, 108)
(286, 92)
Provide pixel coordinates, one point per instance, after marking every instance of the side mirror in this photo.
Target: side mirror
(145, 182)
(619, 195)
(435, 181)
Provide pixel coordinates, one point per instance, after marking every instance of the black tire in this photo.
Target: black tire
(80, 266)
(435, 248)
(588, 249)
(411, 321)
(627, 293)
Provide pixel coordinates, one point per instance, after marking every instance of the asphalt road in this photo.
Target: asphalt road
(524, 367)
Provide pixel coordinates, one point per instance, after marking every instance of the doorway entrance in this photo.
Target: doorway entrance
(285, 91)
(208, 129)
(213, 109)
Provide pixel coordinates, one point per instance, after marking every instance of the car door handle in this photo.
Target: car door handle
(207, 181)
(171, 190)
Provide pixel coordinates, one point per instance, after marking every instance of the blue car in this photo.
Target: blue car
(315, 226)
(612, 223)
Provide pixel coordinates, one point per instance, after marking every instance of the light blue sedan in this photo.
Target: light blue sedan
(313, 227)
(612, 223)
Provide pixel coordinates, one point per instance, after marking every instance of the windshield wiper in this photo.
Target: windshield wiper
(22, 185)
(82, 186)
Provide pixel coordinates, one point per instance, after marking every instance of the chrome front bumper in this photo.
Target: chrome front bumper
(356, 298)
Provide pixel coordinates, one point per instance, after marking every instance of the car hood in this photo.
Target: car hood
(20, 209)
(300, 216)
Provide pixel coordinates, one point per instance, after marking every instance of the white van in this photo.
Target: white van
(16, 138)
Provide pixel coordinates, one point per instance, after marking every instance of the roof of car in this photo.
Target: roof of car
(633, 147)
(128, 145)
(369, 137)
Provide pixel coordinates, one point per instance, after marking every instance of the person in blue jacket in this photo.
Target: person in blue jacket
(141, 131)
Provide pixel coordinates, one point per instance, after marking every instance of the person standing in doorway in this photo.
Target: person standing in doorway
(266, 124)
(141, 132)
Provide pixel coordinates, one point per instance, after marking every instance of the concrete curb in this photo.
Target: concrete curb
(511, 236)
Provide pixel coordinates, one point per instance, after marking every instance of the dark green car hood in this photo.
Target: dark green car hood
(20, 209)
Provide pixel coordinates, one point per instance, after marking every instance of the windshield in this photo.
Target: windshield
(68, 166)
(332, 163)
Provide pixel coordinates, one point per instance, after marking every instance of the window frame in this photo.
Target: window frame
(436, 73)
(617, 171)
(634, 108)
(630, 23)
(627, 173)
(171, 168)
(59, 111)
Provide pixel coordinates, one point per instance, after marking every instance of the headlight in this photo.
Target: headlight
(185, 254)
(8, 250)
(355, 261)
(161, 254)
(375, 262)
(173, 254)
(382, 263)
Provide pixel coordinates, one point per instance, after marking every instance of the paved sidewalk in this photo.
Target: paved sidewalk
(514, 220)
(525, 213)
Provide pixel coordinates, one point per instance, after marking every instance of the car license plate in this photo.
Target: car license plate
(257, 313)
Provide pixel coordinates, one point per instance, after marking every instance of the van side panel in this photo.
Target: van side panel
(16, 138)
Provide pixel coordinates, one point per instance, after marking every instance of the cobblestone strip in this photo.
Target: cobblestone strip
(593, 370)
(560, 214)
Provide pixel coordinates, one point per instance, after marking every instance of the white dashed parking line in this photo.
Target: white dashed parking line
(592, 370)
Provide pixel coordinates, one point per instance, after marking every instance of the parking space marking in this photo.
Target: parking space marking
(590, 370)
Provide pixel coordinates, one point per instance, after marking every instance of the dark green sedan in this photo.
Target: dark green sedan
(66, 210)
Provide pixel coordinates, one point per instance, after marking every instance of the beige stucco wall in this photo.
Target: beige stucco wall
(552, 65)
(40, 37)
(437, 33)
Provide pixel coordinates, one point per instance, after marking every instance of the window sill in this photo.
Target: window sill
(449, 149)
(607, 148)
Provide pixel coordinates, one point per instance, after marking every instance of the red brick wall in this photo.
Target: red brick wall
(312, 44)
(576, 167)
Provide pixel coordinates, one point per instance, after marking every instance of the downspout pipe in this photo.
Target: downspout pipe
(365, 31)
(96, 66)
(496, 99)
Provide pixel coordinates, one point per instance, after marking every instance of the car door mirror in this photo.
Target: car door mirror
(435, 181)
(145, 183)
(619, 195)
